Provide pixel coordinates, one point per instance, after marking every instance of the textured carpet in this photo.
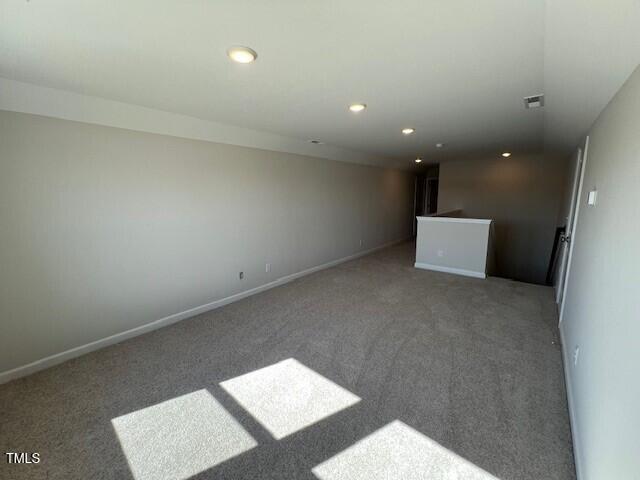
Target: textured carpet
(380, 352)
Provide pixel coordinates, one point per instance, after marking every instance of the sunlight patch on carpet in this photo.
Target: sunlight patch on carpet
(398, 452)
(181, 437)
(288, 396)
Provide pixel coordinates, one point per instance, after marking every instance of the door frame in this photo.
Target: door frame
(414, 219)
(564, 248)
(572, 225)
(428, 185)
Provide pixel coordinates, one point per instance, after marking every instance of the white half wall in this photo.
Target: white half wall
(601, 320)
(105, 230)
(453, 245)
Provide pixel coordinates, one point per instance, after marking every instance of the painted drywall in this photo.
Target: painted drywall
(602, 313)
(107, 229)
(522, 193)
(52, 102)
(455, 245)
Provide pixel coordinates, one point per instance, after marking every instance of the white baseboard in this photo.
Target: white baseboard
(577, 452)
(457, 271)
(61, 357)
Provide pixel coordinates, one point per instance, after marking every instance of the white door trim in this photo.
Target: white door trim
(570, 222)
(574, 229)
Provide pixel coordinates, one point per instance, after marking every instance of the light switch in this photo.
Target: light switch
(593, 195)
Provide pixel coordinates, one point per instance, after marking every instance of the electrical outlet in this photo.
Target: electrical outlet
(241, 275)
(576, 352)
(267, 267)
(441, 253)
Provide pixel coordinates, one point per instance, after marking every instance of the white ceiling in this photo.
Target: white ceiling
(456, 70)
(591, 48)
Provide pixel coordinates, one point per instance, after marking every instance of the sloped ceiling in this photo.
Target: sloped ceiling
(455, 70)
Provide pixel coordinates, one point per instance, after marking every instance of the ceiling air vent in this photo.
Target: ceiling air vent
(534, 101)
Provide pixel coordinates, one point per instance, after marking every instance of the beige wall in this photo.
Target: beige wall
(106, 229)
(522, 194)
(602, 310)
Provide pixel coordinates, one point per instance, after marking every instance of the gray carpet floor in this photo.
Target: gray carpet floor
(474, 365)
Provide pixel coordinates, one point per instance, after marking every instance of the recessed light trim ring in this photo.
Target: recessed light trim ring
(357, 107)
(240, 54)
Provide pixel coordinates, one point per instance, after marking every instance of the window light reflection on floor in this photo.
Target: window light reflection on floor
(181, 437)
(288, 396)
(398, 452)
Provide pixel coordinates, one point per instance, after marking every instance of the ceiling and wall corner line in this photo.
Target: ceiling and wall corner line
(33, 99)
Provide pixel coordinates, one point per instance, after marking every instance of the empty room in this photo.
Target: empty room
(320, 240)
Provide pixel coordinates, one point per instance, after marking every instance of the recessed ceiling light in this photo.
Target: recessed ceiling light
(357, 107)
(418, 160)
(506, 154)
(242, 54)
(408, 131)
